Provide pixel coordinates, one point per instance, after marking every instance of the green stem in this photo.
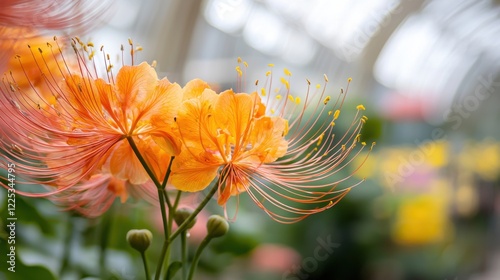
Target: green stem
(163, 197)
(167, 175)
(193, 215)
(106, 226)
(163, 253)
(197, 255)
(164, 184)
(145, 263)
(67, 245)
(184, 254)
(143, 162)
(183, 227)
(177, 199)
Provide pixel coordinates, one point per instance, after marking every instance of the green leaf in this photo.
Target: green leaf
(172, 270)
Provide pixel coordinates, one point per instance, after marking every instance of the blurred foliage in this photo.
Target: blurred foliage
(413, 218)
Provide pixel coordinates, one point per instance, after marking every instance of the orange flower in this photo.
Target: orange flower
(52, 14)
(79, 128)
(21, 19)
(93, 197)
(287, 167)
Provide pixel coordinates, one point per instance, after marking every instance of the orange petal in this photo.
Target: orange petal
(164, 104)
(234, 112)
(194, 88)
(169, 143)
(195, 120)
(124, 165)
(191, 175)
(135, 84)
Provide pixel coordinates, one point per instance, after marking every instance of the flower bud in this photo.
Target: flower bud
(217, 226)
(139, 239)
(181, 215)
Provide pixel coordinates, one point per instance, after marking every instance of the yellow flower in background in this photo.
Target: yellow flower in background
(424, 218)
(482, 158)
(264, 143)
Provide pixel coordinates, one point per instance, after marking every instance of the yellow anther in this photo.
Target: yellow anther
(330, 113)
(332, 124)
(239, 59)
(90, 44)
(318, 86)
(290, 98)
(130, 41)
(285, 82)
(91, 55)
(245, 63)
(138, 48)
(278, 97)
(263, 92)
(326, 100)
(320, 139)
(360, 107)
(326, 77)
(287, 72)
(109, 68)
(363, 143)
(297, 100)
(272, 111)
(364, 118)
(308, 82)
(336, 115)
(349, 80)
(154, 63)
(343, 147)
(268, 73)
(238, 69)
(270, 65)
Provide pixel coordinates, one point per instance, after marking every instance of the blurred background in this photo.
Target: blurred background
(428, 73)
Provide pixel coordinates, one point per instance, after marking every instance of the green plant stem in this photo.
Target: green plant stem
(166, 245)
(163, 197)
(184, 254)
(67, 245)
(143, 162)
(193, 215)
(106, 226)
(197, 255)
(146, 269)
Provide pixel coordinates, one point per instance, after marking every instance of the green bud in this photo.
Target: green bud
(139, 239)
(217, 226)
(181, 215)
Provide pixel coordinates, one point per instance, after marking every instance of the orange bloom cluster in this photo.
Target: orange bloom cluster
(77, 131)
(70, 135)
(28, 19)
(267, 145)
